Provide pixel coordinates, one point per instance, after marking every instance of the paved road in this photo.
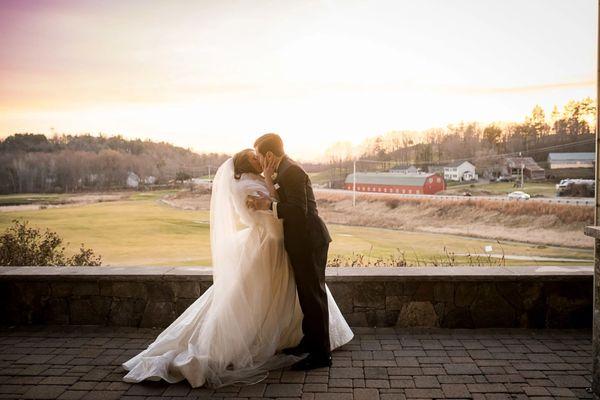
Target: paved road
(559, 200)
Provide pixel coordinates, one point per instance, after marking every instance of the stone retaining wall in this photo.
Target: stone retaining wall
(477, 297)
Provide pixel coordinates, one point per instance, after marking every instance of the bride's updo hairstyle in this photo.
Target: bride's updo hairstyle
(242, 164)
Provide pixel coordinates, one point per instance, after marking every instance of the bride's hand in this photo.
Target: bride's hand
(269, 169)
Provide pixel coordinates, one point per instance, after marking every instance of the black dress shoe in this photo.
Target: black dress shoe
(297, 350)
(312, 361)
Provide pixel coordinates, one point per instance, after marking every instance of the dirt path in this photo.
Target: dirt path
(71, 201)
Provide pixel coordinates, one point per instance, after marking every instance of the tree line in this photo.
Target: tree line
(69, 163)
(569, 130)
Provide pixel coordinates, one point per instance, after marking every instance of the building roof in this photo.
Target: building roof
(528, 162)
(456, 164)
(389, 178)
(410, 168)
(572, 156)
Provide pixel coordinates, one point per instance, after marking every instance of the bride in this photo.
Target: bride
(233, 332)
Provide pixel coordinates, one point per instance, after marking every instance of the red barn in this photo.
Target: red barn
(393, 182)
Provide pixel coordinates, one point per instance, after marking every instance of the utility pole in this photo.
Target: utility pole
(596, 301)
(522, 169)
(354, 183)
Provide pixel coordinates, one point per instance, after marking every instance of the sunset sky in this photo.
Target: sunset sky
(213, 75)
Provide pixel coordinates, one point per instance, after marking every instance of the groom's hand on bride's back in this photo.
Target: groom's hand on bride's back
(250, 202)
(260, 202)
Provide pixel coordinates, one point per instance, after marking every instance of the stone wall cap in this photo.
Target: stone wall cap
(333, 274)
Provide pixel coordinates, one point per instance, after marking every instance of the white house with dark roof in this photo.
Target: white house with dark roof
(461, 171)
(133, 180)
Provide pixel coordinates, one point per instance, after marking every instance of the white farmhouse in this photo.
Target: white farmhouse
(133, 180)
(460, 172)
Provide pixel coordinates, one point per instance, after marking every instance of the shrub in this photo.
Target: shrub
(392, 203)
(21, 245)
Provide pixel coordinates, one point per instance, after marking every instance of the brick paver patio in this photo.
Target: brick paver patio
(83, 362)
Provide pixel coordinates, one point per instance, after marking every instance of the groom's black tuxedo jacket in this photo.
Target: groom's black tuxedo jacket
(302, 226)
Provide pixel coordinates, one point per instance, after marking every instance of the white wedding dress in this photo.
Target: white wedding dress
(231, 333)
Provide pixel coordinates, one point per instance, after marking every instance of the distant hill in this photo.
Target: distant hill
(67, 163)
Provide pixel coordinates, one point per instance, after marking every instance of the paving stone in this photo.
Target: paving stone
(59, 380)
(104, 395)
(486, 388)
(426, 382)
(316, 379)
(455, 390)
(358, 383)
(375, 372)
(392, 396)
(405, 371)
(82, 385)
(314, 387)
(462, 369)
(177, 389)
(283, 390)
(333, 396)
(72, 395)
(256, 390)
(35, 359)
(366, 394)
(570, 381)
(292, 377)
(377, 383)
(340, 382)
(560, 392)
(147, 389)
(13, 389)
(424, 393)
(44, 392)
(402, 383)
(29, 370)
(536, 391)
(346, 373)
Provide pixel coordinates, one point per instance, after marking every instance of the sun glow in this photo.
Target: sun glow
(212, 76)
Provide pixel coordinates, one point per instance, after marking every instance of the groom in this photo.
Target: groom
(306, 241)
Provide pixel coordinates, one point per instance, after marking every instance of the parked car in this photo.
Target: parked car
(519, 195)
(576, 187)
(504, 179)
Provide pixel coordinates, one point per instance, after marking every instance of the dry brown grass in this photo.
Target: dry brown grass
(532, 222)
(566, 213)
(448, 259)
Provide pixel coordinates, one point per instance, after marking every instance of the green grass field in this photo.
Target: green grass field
(143, 231)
